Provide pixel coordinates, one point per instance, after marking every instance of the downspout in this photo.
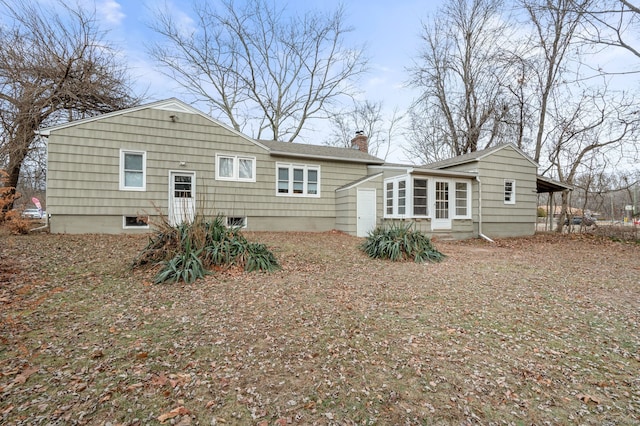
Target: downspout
(45, 226)
(480, 211)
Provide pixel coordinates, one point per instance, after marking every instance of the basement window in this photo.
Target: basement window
(139, 222)
(236, 221)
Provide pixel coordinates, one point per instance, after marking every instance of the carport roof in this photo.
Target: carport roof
(545, 185)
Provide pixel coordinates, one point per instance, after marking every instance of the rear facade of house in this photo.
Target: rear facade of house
(110, 173)
(119, 172)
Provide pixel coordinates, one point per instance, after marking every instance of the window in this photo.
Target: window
(509, 191)
(236, 221)
(141, 222)
(462, 199)
(402, 197)
(234, 167)
(395, 199)
(389, 199)
(133, 170)
(411, 198)
(298, 180)
(420, 197)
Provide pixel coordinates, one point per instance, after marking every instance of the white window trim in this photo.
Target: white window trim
(124, 222)
(408, 197)
(421, 216)
(409, 179)
(144, 171)
(455, 199)
(306, 168)
(236, 168)
(513, 191)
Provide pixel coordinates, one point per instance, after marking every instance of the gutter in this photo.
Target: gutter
(480, 211)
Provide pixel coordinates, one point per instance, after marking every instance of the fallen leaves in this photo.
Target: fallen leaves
(24, 375)
(587, 399)
(528, 330)
(178, 411)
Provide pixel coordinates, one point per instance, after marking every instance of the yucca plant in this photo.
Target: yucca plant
(259, 258)
(187, 251)
(399, 242)
(185, 266)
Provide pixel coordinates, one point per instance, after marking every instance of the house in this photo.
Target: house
(112, 173)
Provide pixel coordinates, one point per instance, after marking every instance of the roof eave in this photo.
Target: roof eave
(324, 157)
(444, 173)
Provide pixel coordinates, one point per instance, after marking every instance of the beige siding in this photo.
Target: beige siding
(346, 205)
(346, 211)
(460, 228)
(84, 167)
(500, 219)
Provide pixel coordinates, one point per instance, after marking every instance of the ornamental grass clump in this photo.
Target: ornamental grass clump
(190, 250)
(399, 242)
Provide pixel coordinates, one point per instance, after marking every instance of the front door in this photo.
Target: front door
(182, 197)
(442, 216)
(365, 211)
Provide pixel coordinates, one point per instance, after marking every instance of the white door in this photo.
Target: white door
(365, 211)
(442, 214)
(182, 197)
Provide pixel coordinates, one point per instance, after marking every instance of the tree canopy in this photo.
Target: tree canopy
(261, 70)
(54, 66)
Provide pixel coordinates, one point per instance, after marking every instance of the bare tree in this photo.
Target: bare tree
(612, 23)
(263, 72)
(53, 67)
(590, 134)
(555, 23)
(369, 118)
(459, 73)
(427, 135)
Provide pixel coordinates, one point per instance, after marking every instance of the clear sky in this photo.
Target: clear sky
(390, 30)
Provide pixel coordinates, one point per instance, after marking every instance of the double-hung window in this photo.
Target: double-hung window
(509, 191)
(395, 199)
(298, 180)
(463, 202)
(133, 173)
(235, 167)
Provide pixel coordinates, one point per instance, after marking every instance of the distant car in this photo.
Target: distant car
(32, 214)
(577, 220)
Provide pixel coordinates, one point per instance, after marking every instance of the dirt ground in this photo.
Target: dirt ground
(539, 330)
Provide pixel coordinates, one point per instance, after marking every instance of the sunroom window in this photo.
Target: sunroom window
(462, 199)
(420, 197)
(395, 200)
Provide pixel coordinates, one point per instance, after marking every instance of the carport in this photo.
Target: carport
(549, 186)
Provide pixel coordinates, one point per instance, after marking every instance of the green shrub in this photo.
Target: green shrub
(259, 258)
(185, 266)
(399, 242)
(188, 251)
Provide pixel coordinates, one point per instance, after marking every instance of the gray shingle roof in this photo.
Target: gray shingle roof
(473, 156)
(292, 149)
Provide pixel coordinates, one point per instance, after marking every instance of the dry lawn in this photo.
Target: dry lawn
(541, 330)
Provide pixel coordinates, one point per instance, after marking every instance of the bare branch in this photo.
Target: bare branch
(53, 67)
(265, 73)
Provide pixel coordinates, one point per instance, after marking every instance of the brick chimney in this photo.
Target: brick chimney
(360, 142)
